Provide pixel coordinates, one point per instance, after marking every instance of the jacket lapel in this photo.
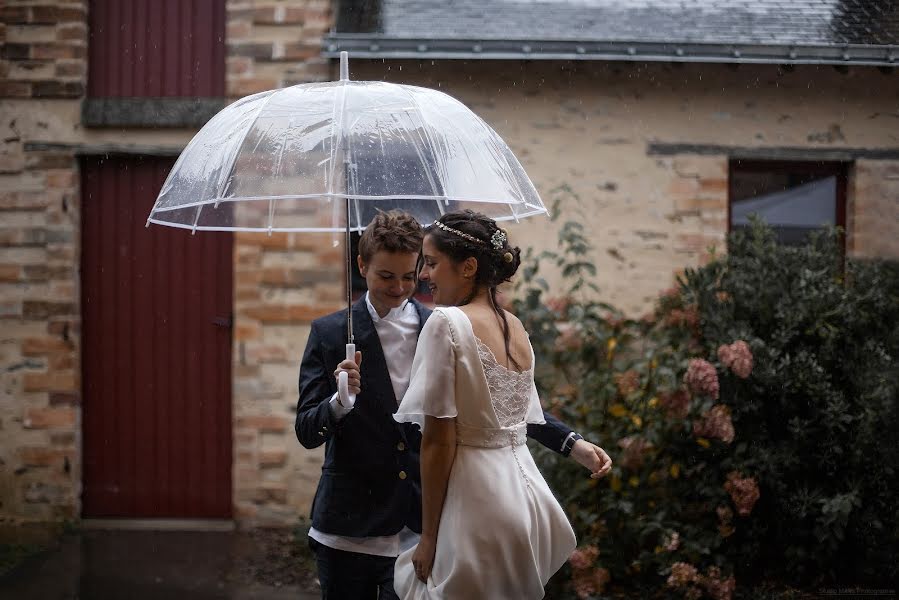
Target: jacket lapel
(375, 375)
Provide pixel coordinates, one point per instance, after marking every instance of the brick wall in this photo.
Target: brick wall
(872, 219)
(43, 57)
(282, 281)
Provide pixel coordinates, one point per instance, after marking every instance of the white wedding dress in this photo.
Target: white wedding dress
(502, 533)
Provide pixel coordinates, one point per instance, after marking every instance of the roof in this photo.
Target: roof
(774, 31)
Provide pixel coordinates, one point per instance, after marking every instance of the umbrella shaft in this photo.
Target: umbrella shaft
(349, 278)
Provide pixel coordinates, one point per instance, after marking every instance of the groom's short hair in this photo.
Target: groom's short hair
(393, 231)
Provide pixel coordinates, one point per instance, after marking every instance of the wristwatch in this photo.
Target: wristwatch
(568, 444)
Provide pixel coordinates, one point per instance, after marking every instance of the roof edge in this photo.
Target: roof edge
(376, 46)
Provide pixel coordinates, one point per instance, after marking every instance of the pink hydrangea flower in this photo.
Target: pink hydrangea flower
(634, 449)
(590, 582)
(671, 542)
(716, 586)
(744, 491)
(682, 574)
(583, 558)
(676, 403)
(627, 382)
(737, 357)
(701, 378)
(715, 423)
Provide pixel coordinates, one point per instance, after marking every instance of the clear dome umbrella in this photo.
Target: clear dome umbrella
(325, 157)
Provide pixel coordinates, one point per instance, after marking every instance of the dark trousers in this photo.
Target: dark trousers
(353, 576)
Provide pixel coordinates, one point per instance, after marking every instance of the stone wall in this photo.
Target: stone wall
(42, 63)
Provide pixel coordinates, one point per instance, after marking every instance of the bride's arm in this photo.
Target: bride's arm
(438, 452)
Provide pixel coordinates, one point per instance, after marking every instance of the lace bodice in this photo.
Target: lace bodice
(510, 390)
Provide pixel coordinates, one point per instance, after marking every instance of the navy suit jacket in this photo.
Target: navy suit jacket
(370, 483)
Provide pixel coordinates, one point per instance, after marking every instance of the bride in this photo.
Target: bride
(491, 527)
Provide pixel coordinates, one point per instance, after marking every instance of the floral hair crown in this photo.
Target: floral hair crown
(497, 240)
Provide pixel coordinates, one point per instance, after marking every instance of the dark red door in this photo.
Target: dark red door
(156, 353)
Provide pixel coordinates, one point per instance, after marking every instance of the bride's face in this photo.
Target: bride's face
(450, 282)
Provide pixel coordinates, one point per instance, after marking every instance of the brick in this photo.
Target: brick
(40, 161)
(62, 328)
(15, 89)
(10, 273)
(50, 381)
(58, 89)
(57, 14)
(38, 346)
(239, 65)
(14, 15)
(301, 51)
(247, 330)
(44, 457)
(264, 15)
(64, 399)
(10, 309)
(273, 458)
(255, 50)
(30, 34)
(296, 313)
(72, 31)
(15, 51)
(71, 68)
(61, 178)
(238, 30)
(57, 51)
(718, 186)
(61, 361)
(62, 439)
(49, 418)
(265, 353)
(263, 423)
(269, 493)
(275, 241)
(36, 309)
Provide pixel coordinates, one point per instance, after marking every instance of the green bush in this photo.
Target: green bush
(752, 419)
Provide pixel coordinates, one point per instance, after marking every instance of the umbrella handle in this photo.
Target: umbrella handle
(343, 386)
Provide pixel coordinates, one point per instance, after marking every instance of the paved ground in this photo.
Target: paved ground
(139, 565)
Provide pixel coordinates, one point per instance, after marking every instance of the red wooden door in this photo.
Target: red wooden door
(156, 353)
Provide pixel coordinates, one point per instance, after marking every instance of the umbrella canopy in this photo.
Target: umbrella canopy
(327, 156)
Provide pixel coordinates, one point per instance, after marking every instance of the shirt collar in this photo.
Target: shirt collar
(392, 315)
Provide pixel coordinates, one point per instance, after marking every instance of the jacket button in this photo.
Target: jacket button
(401, 446)
(402, 474)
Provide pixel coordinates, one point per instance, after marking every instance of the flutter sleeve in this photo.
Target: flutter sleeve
(432, 386)
(535, 414)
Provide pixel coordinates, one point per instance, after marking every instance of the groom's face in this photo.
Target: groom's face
(390, 277)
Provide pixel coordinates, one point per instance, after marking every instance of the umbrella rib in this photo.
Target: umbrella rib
(220, 189)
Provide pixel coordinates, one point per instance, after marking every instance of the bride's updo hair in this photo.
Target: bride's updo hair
(464, 234)
(497, 262)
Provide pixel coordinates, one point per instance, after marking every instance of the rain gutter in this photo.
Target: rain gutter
(375, 46)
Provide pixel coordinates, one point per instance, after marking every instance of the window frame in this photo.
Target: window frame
(827, 168)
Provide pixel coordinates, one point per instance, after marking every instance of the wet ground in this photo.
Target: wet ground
(139, 565)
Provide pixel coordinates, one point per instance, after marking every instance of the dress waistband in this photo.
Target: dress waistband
(491, 438)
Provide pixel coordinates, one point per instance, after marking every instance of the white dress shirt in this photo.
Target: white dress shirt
(398, 334)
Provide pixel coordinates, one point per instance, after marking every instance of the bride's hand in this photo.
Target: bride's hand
(423, 558)
(593, 457)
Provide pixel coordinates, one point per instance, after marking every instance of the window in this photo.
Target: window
(794, 198)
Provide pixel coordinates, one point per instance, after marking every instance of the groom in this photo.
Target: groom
(367, 508)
